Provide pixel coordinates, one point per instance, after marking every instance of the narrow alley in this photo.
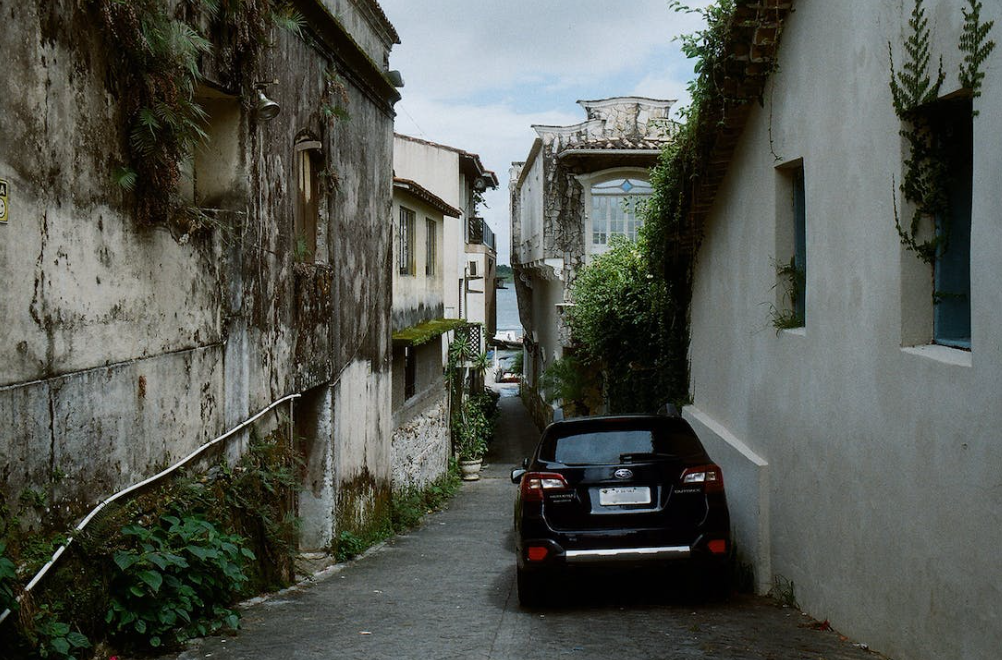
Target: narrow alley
(446, 590)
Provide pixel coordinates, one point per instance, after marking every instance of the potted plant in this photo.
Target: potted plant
(472, 433)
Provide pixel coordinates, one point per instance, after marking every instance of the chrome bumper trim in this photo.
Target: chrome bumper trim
(627, 554)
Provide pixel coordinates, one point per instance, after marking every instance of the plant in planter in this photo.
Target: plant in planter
(472, 433)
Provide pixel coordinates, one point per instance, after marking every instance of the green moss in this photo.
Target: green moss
(425, 332)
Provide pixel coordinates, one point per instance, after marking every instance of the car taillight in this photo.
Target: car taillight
(534, 484)
(710, 476)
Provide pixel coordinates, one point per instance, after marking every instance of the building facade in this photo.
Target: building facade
(576, 190)
(469, 250)
(132, 343)
(421, 440)
(856, 419)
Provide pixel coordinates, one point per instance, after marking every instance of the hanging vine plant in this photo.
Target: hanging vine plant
(913, 90)
(160, 46)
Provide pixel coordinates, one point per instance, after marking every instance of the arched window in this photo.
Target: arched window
(307, 212)
(614, 209)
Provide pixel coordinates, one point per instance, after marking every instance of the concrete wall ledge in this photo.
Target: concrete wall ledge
(746, 478)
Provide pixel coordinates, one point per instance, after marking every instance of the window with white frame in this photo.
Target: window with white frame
(614, 209)
(430, 247)
(406, 241)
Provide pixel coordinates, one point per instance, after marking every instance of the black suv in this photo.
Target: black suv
(615, 490)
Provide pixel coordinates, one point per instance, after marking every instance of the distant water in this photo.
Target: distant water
(508, 310)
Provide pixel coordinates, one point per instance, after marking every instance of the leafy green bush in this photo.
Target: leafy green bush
(175, 580)
(618, 326)
(55, 639)
(8, 576)
(409, 505)
(475, 427)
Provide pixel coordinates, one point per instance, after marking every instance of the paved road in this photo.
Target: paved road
(447, 591)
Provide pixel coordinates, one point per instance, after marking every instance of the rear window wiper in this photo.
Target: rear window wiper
(643, 456)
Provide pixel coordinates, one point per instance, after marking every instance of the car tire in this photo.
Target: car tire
(531, 588)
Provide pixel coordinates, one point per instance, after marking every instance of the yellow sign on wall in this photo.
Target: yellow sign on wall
(4, 203)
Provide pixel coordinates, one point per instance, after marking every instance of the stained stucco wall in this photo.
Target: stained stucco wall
(417, 297)
(130, 345)
(882, 499)
(437, 170)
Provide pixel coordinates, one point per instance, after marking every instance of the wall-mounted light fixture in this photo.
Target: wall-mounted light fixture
(395, 78)
(264, 107)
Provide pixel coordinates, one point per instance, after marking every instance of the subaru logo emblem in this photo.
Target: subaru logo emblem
(623, 473)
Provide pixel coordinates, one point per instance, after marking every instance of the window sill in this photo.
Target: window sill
(943, 354)
(796, 332)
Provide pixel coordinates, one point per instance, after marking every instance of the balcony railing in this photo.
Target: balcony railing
(480, 233)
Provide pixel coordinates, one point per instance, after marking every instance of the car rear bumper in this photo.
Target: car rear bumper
(629, 555)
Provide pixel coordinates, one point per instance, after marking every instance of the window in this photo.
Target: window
(791, 247)
(212, 177)
(614, 209)
(430, 246)
(953, 125)
(410, 372)
(304, 246)
(406, 238)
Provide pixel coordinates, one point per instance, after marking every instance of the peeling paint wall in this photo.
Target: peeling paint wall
(130, 346)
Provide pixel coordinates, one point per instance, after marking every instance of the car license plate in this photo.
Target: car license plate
(624, 495)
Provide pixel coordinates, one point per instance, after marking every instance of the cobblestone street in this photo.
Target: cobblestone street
(447, 591)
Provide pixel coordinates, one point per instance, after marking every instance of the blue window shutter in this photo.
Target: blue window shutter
(952, 316)
(800, 238)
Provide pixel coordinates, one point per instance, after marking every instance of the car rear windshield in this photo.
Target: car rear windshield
(609, 446)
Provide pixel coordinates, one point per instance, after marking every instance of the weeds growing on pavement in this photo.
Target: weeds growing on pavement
(407, 507)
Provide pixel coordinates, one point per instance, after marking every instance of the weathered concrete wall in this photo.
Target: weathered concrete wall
(133, 346)
(421, 446)
(883, 484)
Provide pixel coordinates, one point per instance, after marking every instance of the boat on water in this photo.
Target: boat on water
(508, 339)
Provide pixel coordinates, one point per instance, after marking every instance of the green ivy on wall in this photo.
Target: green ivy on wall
(913, 89)
(160, 45)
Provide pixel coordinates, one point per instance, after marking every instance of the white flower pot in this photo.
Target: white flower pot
(470, 470)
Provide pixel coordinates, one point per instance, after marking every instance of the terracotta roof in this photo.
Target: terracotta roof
(426, 196)
(752, 48)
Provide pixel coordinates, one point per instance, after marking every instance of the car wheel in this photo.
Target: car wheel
(531, 588)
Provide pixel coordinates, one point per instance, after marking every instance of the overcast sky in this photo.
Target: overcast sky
(479, 74)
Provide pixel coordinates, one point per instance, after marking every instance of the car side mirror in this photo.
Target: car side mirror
(516, 475)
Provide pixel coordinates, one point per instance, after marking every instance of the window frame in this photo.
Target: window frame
(791, 242)
(588, 182)
(405, 241)
(306, 215)
(430, 247)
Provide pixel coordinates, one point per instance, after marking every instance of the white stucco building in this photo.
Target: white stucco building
(469, 253)
(421, 446)
(861, 445)
(576, 189)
